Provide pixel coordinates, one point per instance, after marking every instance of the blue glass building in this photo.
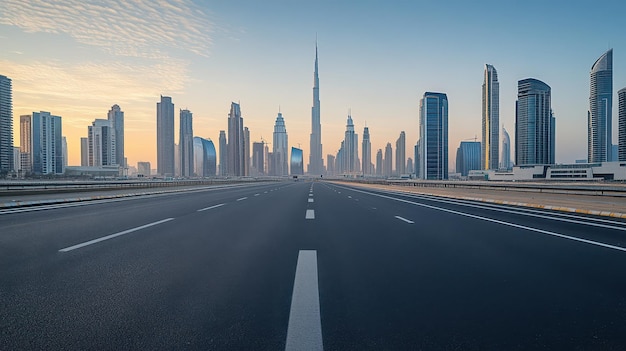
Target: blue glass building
(433, 142)
(599, 117)
(534, 123)
(205, 157)
(297, 166)
(468, 157)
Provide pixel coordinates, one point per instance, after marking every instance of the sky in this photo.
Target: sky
(77, 58)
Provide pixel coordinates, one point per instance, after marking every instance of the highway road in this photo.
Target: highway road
(309, 266)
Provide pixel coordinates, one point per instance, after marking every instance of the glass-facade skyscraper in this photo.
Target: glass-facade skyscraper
(185, 143)
(116, 117)
(316, 163)
(280, 147)
(6, 125)
(433, 141)
(204, 157)
(534, 123)
(401, 154)
(491, 119)
(236, 142)
(621, 153)
(297, 162)
(46, 143)
(366, 149)
(505, 162)
(599, 117)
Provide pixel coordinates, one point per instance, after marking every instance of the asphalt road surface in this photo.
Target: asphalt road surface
(309, 266)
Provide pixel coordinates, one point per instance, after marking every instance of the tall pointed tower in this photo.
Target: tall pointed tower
(316, 164)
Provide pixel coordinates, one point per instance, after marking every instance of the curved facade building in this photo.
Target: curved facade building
(297, 167)
(534, 123)
(204, 157)
(599, 117)
(505, 162)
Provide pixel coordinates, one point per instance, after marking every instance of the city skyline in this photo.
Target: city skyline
(355, 72)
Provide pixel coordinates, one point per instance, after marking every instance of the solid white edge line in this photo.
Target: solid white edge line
(241, 199)
(405, 220)
(310, 214)
(210, 208)
(608, 246)
(94, 241)
(304, 331)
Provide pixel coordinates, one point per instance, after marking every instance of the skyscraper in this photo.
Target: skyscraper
(246, 151)
(468, 157)
(401, 154)
(379, 162)
(350, 151)
(491, 119)
(223, 154)
(330, 165)
(316, 164)
(236, 140)
(101, 143)
(280, 147)
(534, 123)
(599, 117)
(116, 117)
(6, 125)
(45, 135)
(621, 153)
(185, 143)
(165, 137)
(26, 143)
(388, 161)
(64, 147)
(366, 149)
(505, 162)
(433, 141)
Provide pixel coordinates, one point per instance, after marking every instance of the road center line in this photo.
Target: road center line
(305, 325)
(210, 208)
(310, 200)
(487, 219)
(405, 220)
(241, 199)
(90, 242)
(310, 214)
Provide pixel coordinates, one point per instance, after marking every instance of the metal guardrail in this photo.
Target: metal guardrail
(39, 187)
(618, 189)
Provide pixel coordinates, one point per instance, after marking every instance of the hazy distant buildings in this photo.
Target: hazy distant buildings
(401, 154)
(143, 168)
(45, 134)
(366, 150)
(204, 158)
(246, 151)
(6, 125)
(330, 165)
(84, 152)
(165, 137)
(599, 117)
(505, 162)
(316, 163)
(621, 97)
(433, 140)
(236, 155)
(280, 148)
(491, 119)
(185, 143)
(116, 117)
(409, 165)
(258, 158)
(379, 162)
(468, 157)
(297, 162)
(388, 161)
(534, 124)
(223, 154)
(350, 149)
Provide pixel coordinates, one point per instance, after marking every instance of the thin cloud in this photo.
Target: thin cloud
(139, 28)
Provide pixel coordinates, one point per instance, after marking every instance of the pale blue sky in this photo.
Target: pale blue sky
(78, 58)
